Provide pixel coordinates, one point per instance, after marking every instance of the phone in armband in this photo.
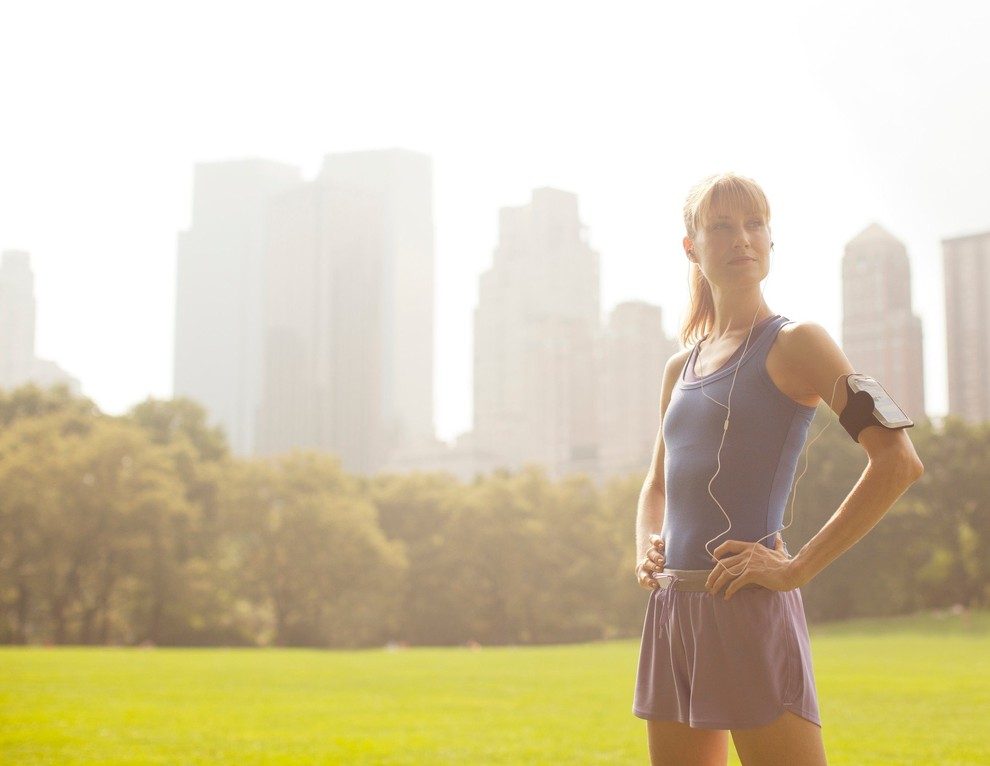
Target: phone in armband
(888, 413)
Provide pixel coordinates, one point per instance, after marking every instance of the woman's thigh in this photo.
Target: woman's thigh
(677, 744)
(787, 741)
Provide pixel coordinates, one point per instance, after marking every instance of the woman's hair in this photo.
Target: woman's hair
(729, 190)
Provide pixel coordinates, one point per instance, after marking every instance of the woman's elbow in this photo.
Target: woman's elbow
(898, 459)
(917, 468)
(911, 464)
(903, 464)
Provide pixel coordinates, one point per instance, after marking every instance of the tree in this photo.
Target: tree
(189, 603)
(31, 401)
(953, 505)
(85, 499)
(416, 511)
(307, 549)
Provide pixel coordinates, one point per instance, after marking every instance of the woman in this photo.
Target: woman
(725, 645)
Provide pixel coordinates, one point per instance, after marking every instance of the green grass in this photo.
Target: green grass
(893, 692)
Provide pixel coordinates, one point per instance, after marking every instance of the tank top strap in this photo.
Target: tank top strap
(761, 348)
(756, 349)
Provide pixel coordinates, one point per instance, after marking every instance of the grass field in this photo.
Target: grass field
(893, 693)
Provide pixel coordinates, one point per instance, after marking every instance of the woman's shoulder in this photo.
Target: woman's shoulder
(678, 358)
(672, 371)
(805, 360)
(675, 364)
(804, 338)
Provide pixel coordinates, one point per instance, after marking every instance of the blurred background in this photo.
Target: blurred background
(440, 243)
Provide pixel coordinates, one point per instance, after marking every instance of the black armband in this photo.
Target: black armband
(869, 404)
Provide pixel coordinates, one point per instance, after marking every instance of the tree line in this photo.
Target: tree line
(144, 528)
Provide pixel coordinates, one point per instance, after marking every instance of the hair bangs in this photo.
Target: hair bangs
(726, 191)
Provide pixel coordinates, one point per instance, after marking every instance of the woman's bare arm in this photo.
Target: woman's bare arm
(810, 367)
(653, 496)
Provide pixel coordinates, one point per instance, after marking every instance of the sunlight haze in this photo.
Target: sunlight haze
(847, 113)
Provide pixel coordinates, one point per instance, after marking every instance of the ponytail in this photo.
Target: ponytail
(701, 317)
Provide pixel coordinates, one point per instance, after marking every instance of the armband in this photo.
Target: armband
(869, 404)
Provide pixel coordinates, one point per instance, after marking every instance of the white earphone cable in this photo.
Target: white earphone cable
(725, 429)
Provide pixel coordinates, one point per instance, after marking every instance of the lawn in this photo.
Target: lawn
(893, 693)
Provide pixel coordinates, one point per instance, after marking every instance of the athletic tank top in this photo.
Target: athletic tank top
(766, 433)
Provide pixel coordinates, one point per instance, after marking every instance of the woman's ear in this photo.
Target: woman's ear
(689, 249)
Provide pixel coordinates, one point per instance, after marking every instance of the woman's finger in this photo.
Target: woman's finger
(730, 547)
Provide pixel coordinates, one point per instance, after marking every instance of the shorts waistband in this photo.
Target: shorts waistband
(691, 580)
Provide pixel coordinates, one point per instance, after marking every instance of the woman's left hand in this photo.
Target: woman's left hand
(741, 563)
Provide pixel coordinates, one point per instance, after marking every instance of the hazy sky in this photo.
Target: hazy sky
(847, 112)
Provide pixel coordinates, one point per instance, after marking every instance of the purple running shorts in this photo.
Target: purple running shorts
(716, 664)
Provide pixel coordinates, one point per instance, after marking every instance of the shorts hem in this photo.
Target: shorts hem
(725, 726)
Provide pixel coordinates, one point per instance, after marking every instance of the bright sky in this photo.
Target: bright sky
(847, 112)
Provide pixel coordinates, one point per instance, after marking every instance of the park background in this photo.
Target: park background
(127, 522)
(144, 529)
(492, 621)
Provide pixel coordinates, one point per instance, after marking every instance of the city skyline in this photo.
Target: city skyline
(464, 427)
(96, 185)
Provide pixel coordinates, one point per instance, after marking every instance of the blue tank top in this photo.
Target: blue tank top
(766, 433)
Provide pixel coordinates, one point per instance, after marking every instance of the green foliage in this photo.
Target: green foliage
(87, 507)
(144, 528)
(307, 554)
(33, 402)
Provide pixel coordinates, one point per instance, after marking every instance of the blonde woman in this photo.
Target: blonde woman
(725, 644)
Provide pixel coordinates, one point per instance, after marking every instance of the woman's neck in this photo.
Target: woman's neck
(735, 314)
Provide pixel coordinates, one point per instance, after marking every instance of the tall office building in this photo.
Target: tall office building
(536, 335)
(219, 289)
(18, 316)
(966, 261)
(634, 351)
(880, 333)
(17, 319)
(348, 362)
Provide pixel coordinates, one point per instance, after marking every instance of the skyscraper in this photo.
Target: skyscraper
(635, 350)
(18, 315)
(536, 331)
(17, 319)
(966, 261)
(348, 363)
(218, 312)
(880, 333)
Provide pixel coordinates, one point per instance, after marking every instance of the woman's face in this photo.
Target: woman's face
(732, 247)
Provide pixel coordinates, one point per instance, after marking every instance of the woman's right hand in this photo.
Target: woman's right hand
(651, 564)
